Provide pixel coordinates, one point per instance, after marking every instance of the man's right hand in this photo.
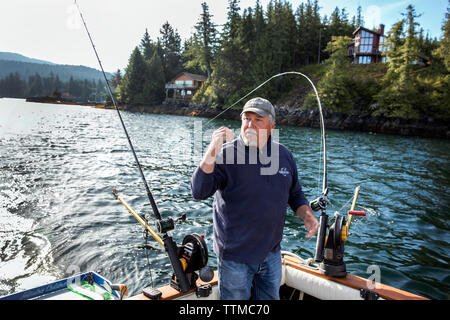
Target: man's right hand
(218, 137)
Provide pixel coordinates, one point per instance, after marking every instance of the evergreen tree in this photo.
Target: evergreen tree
(230, 63)
(192, 57)
(309, 28)
(410, 47)
(260, 58)
(200, 49)
(35, 86)
(399, 96)
(334, 87)
(281, 27)
(147, 46)
(153, 89)
(131, 87)
(359, 18)
(394, 42)
(12, 86)
(116, 79)
(442, 52)
(438, 86)
(171, 51)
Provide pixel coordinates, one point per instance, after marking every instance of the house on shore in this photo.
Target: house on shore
(184, 86)
(367, 45)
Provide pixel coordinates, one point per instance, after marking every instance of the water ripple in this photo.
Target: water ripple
(58, 166)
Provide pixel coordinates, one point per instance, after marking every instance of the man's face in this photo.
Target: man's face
(255, 130)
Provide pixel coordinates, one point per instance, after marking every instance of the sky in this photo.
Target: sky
(52, 30)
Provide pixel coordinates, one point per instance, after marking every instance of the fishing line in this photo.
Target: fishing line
(322, 125)
(146, 255)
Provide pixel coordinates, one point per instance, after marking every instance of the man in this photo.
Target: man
(250, 203)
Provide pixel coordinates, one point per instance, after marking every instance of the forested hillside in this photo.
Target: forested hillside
(22, 77)
(256, 43)
(64, 72)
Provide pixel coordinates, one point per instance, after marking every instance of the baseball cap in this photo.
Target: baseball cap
(259, 106)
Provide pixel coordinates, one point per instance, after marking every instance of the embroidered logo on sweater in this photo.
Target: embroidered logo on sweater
(284, 172)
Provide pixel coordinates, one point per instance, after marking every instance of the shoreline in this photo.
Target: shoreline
(424, 128)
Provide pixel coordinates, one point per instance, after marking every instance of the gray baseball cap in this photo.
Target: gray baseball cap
(259, 106)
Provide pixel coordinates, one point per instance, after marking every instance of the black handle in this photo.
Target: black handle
(171, 249)
(323, 221)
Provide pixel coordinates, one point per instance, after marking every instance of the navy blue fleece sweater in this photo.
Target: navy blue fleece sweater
(249, 207)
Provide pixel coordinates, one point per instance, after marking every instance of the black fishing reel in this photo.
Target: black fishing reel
(330, 248)
(166, 225)
(320, 203)
(332, 255)
(193, 256)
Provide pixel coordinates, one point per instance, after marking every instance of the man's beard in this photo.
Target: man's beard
(250, 137)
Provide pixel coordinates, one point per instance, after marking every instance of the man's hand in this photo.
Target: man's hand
(218, 137)
(304, 212)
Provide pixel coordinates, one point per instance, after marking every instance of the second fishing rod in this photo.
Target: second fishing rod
(192, 256)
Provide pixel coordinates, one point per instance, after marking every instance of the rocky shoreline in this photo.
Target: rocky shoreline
(427, 128)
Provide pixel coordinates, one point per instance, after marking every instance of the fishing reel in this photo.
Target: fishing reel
(332, 254)
(188, 259)
(166, 225)
(330, 248)
(193, 256)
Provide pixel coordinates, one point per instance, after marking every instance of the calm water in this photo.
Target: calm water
(58, 217)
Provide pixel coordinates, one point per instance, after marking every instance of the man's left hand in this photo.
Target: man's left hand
(311, 223)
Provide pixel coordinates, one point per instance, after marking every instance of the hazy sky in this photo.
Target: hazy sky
(52, 30)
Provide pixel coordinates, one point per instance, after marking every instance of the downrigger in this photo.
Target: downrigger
(189, 261)
(330, 248)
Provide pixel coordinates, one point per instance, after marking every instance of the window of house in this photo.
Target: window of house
(365, 42)
(189, 92)
(364, 59)
(184, 82)
(383, 45)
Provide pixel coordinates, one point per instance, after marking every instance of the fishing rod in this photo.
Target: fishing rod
(332, 263)
(149, 193)
(192, 256)
(323, 200)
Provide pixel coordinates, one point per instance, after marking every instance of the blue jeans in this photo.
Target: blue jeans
(242, 281)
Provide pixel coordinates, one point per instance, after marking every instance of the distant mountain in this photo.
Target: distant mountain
(14, 62)
(18, 57)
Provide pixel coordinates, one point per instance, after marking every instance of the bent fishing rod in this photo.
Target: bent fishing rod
(321, 202)
(193, 255)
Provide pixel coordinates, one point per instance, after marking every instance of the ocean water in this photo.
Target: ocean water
(58, 217)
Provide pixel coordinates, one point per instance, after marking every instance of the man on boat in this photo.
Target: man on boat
(250, 202)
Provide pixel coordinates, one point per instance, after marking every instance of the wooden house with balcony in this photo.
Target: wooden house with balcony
(184, 86)
(367, 45)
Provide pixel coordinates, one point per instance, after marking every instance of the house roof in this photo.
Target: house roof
(365, 29)
(193, 76)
